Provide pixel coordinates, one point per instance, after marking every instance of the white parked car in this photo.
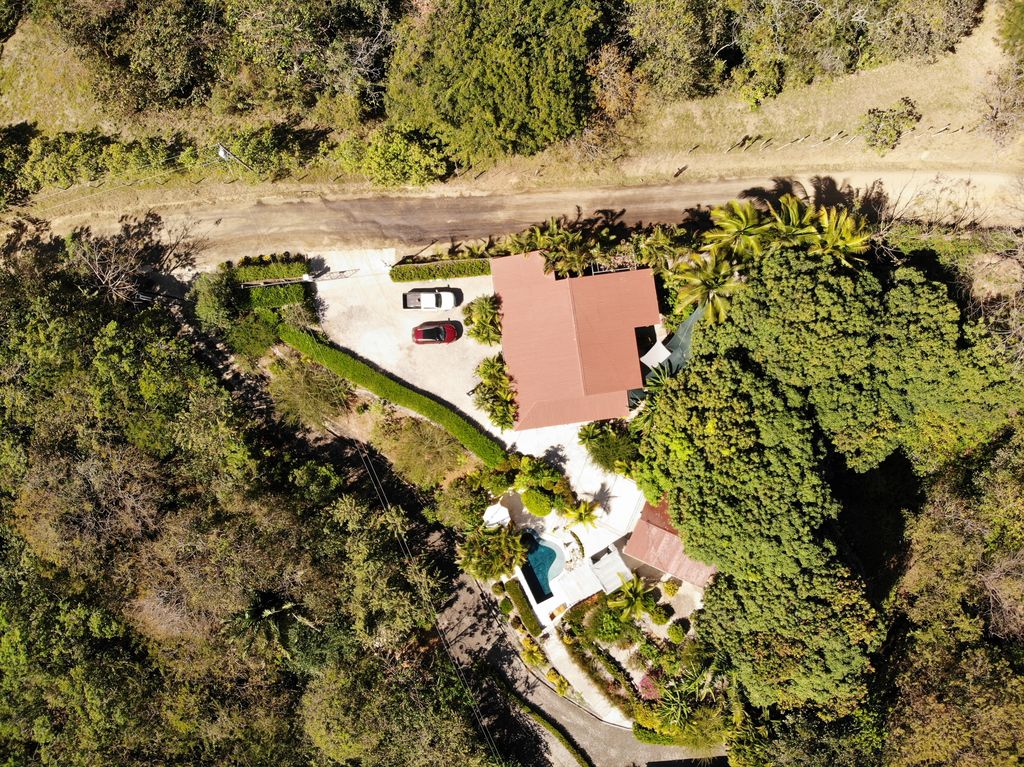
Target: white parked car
(431, 299)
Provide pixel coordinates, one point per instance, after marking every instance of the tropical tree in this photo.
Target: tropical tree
(631, 599)
(843, 235)
(483, 319)
(269, 617)
(532, 654)
(793, 223)
(674, 707)
(488, 553)
(583, 513)
(739, 229)
(709, 280)
(495, 393)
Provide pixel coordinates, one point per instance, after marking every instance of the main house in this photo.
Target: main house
(570, 344)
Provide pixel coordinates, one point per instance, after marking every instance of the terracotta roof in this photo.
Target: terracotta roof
(570, 344)
(656, 543)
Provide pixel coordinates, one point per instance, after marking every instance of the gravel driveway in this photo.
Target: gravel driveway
(363, 313)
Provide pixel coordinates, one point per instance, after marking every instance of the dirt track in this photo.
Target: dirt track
(272, 222)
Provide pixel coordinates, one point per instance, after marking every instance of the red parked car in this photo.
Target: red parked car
(435, 332)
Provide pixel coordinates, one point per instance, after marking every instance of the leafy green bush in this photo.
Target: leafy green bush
(498, 588)
(647, 735)
(63, 160)
(251, 336)
(515, 592)
(678, 630)
(137, 159)
(482, 318)
(505, 605)
(307, 394)
(216, 299)
(440, 270)
(495, 394)
(358, 372)
(269, 151)
(460, 505)
(610, 444)
(275, 296)
(281, 266)
(394, 158)
(539, 502)
(883, 128)
(659, 615)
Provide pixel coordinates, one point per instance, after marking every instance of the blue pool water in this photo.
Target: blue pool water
(543, 562)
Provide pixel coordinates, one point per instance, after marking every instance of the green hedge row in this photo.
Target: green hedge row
(440, 270)
(542, 719)
(274, 296)
(275, 267)
(655, 738)
(488, 449)
(514, 589)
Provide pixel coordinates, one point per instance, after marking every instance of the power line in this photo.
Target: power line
(403, 543)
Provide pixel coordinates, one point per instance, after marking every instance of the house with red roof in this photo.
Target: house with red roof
(656, 542)
(570, 344)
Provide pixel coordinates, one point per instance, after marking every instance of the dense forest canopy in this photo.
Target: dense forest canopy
(182, 581)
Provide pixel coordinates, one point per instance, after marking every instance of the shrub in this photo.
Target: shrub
(461, 506)
(268, 151)
(610, 445)
(606, 626)
(275, 296)
(883, 128)
(440, 270)
(539, 502)
(394, 158)
(482, 318)
(659, 615)
(358, 372)
(421, 452)
(282, 266)
(678, 630)
(495, 394)
(307, 394)
(251, 336)
(498, 588)
(646, 735)
(63, 160)
(670, 587)
(505, 605)
(136, 159)
(216, 299)
(515, 592)
(560, 683)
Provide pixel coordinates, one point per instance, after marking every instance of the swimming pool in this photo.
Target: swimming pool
(544, 560)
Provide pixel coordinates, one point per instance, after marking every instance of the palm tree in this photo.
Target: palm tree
(843, 235)
(709, 281)
(739, 229)
(794, 223)
(269, 617)
(631, 599)
(482, 318)
(489, 553)
(532, 654)
(583, 513)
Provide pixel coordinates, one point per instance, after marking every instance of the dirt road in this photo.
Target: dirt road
(274, 222)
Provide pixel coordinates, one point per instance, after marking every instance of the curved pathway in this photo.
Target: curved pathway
(476, 631)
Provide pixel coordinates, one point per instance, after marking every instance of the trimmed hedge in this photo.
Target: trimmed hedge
(542, 719)
(274, 296)
(514, 589)
(655, 738)
(440, 270)
(484, 446)
(275, 267)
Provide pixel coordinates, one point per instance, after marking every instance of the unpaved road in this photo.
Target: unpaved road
(269, 223)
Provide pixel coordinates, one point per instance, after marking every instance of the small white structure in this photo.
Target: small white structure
(656, 355)
(611, 571)
(496, 515)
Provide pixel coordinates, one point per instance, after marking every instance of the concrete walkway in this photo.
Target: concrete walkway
(595, 700)
(475, 630)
